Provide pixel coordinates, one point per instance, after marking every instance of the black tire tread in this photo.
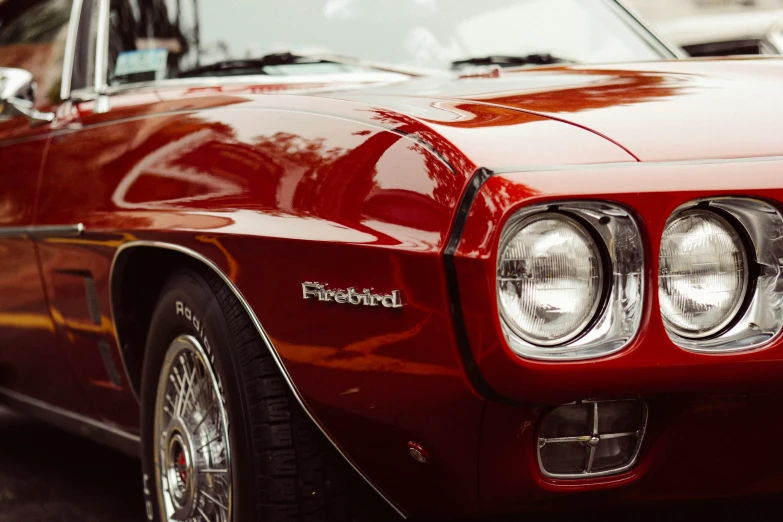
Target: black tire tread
(300, 476)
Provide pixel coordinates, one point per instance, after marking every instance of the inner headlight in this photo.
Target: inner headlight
(703, 274)
(550, 279)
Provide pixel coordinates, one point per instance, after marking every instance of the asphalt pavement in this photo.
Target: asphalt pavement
(47, 475)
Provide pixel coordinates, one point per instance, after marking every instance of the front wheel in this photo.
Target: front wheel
(223, 438)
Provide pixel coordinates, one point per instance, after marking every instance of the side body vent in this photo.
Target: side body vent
(93, 305)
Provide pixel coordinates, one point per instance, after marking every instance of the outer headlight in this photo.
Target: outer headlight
(570, 280)
(703, 277)
(550, 279)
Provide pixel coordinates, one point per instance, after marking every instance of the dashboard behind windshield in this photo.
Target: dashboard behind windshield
(163, 39)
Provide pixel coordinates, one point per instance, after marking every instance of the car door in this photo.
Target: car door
(32, 366)
(101, 140)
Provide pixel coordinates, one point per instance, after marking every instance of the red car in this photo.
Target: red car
(292, 253)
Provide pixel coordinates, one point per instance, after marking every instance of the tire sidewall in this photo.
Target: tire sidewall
(188, 306)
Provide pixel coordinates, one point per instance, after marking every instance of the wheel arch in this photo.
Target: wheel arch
(131, 312)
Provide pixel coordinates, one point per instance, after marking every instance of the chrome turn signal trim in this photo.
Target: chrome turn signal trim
(591, 436)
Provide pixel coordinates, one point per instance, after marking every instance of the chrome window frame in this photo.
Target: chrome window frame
(67, 92)
(70, 50)
(102, 48)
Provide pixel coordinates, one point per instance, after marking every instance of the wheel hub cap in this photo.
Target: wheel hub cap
(178, 470)
(192, 444)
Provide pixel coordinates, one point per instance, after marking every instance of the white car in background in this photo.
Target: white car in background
(727, 34)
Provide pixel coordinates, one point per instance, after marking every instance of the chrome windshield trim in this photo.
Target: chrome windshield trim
(70, 50)
(256, 79)
(102, 47)
(79, 424)
(652, 36)
(42, 231)
(262, 333)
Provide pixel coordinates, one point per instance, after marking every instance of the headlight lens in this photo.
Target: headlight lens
(703, 274)
(549, 280)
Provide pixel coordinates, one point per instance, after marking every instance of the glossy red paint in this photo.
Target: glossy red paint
(360, 187)
(668, 111)
(279, 190)
(30, 359)
(218, 182)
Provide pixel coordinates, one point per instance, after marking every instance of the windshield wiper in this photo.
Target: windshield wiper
(243, 66)
(257, 65)
(511, 61)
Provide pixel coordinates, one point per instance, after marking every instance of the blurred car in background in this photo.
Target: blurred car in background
(728, 34)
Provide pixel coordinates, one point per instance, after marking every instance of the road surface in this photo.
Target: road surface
(47, 475)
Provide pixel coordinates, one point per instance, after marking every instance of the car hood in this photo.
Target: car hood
(659, 111)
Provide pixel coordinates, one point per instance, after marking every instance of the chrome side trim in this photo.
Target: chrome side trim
(42, 231)
(278, 360)
(96, 430)
(70, 50)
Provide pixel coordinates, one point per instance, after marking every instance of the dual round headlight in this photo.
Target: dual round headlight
(550, 279)
(703, 274)
(570, 280)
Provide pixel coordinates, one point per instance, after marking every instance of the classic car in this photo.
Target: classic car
(346, 260)
(727, 34)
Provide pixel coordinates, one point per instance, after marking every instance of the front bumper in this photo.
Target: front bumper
(697, 447)
(706, 410)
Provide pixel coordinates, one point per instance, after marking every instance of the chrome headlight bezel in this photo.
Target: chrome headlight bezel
(760, 318)
(616, 319)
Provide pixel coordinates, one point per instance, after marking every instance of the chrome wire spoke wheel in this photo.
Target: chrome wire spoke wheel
(192, 448)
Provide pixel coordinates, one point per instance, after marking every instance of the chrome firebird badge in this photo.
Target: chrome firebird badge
(351, 296)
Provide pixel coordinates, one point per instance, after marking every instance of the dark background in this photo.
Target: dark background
(50, 476)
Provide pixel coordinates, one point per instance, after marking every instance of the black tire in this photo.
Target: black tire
(283, 468)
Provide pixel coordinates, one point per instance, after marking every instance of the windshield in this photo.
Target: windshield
(159, 39)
